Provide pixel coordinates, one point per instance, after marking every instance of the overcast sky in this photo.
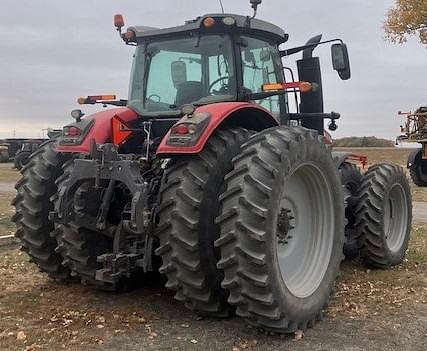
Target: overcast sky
(53, 51)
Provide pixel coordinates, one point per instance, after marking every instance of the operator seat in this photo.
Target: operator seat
(188, 92)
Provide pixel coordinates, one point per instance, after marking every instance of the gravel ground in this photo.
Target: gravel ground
(371, 310)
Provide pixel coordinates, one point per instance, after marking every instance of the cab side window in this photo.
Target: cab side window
(261, 65)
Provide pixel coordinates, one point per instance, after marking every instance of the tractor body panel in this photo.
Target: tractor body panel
(243, 114)
(100, 130)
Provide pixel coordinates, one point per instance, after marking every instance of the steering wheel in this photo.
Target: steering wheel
(216, 81)
(156, 96)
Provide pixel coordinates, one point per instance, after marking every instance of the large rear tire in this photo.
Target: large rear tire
(384, 216)
(21, 159)
(79, 246)
(189, 204)
(32, 204)
(351, 179)
(282, 229)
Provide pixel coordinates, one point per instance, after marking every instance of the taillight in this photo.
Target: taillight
(74, 134)
(71, 132)
(180, 129)
(184, 128)
(188, 131)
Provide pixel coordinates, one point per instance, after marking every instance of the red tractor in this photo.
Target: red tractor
(205, 176)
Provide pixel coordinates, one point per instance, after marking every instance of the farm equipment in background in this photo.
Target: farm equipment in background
(4, 152)
(206, 176)
(19, 150)
(415, 131)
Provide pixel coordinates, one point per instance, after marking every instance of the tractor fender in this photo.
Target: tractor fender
(100, 131)
(242, 114)
(340, 157)
(413, 156)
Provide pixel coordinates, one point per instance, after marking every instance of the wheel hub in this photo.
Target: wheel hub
(284, 226)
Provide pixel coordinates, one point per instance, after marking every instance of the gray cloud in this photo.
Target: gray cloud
(54, 51)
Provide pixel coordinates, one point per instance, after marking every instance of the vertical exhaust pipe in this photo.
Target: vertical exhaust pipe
(309, 71)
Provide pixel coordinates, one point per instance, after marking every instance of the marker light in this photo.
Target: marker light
(209, 22)
(91, 99)
(304, 87)
(229, 21)
(118, 21)
(272, 87)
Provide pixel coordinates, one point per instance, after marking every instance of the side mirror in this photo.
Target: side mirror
(179, 72)
(340, 60)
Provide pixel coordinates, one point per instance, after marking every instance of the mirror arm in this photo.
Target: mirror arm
(295, 50)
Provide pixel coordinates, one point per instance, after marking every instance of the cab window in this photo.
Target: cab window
(261, 65)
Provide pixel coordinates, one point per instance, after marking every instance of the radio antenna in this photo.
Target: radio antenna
(222, 7)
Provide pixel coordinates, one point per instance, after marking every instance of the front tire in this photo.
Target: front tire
(384, 216)
(282, 229)
(189, 204)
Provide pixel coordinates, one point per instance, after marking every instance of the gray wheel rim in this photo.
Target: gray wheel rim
(304, 244)
(396, 218)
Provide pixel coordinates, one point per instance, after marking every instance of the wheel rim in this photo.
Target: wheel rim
(305, 230)
(396, 218)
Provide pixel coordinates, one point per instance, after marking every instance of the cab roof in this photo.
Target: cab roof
(246, 25)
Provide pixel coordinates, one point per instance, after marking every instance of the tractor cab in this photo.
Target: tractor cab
(214, 58)
(227, 58)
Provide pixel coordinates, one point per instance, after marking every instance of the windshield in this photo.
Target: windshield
(171, 73)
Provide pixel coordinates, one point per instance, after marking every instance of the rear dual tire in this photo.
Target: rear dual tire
(282, 229)
(384, 216)
(351, 180)
(189, 203)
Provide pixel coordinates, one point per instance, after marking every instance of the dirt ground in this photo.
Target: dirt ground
(370, 310)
